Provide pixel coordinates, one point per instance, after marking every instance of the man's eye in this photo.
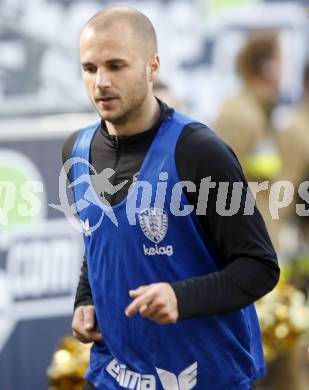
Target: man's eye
(90, 69)
(115, 66)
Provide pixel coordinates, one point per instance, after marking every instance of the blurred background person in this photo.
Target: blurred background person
(294, 146)
(245, 121)
(163, 92)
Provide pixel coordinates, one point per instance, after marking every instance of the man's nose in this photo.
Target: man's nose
(103, 80)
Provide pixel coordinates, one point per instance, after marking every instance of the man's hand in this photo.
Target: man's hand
(84, 325)
(156, 301)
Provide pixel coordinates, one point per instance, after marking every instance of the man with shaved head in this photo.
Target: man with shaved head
(165, 295)
(121, 42)
(139, 24)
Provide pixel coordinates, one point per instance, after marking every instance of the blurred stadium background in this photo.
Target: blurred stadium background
(42, 100)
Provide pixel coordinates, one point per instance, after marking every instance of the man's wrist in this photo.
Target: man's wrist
(179, 292)
(84, 302)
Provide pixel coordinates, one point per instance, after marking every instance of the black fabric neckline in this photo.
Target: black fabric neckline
(115, 140)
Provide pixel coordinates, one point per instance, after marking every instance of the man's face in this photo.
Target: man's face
(115, 72)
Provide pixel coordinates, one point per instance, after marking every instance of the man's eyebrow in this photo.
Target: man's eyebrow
(113, 60)
(86, 64)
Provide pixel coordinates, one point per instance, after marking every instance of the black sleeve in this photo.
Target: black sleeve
(67, 150)
(249, 263)
(83, 293)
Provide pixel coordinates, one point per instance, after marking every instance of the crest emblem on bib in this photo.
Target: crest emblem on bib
(154, 223)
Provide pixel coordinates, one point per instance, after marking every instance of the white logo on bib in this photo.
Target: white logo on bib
(129, 379)
(186, 380)
(154, 223)
(86, 227)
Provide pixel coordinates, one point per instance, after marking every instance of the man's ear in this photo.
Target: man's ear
(154, 67)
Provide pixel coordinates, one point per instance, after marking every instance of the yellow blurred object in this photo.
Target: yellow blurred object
(217, 5)
(69, 365)
(284, 317)
(262, 166)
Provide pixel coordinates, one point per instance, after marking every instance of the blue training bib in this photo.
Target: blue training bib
(151, 237)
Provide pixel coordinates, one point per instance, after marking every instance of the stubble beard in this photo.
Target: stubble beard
(131, 104)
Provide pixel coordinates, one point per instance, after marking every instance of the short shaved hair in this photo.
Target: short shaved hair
(140, 25)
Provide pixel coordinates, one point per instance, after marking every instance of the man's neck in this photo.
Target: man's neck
(149, 115)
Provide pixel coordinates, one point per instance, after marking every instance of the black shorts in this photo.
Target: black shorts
(89, 386)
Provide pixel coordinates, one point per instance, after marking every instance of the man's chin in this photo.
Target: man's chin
(115, 119)
(108, 116)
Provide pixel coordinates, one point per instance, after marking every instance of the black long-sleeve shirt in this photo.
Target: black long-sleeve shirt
(250, 263)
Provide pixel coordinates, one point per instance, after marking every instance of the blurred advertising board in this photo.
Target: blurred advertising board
(40, 253)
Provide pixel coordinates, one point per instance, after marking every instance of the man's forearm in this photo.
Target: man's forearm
(217, 293)
(222, 292)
